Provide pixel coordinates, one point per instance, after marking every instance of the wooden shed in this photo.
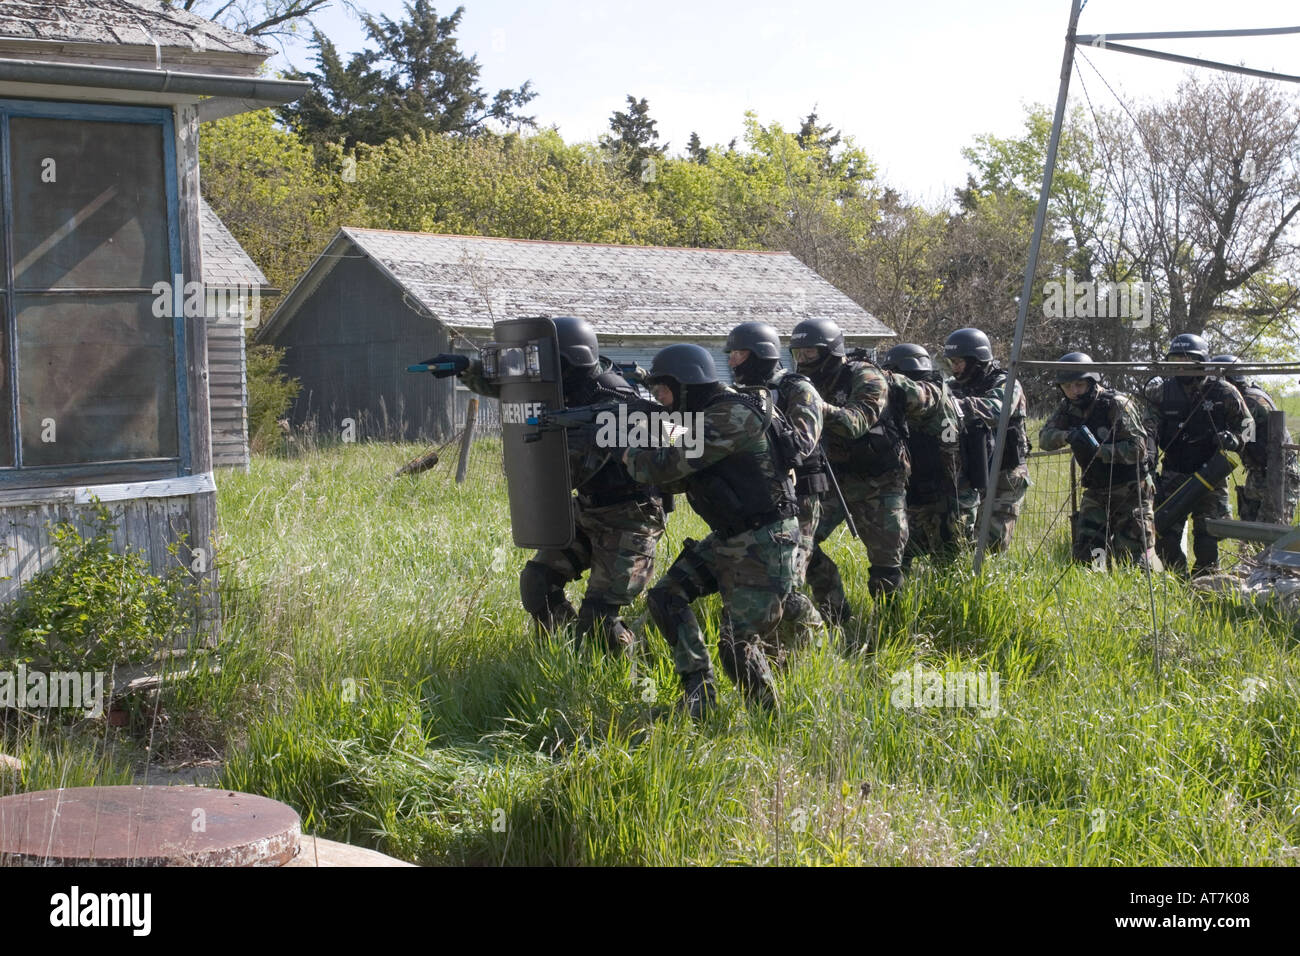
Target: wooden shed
(234, 290)
(376, 301)
(103, 370)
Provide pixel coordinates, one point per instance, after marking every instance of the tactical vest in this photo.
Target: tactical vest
(883, 448)
(1101, 420)
(809, 472)
(1015, 453)
(746, 490)
(934, 463)
(610, 484)
(1188, 434)
(1255, 454)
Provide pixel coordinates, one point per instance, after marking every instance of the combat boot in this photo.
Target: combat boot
(699, 696)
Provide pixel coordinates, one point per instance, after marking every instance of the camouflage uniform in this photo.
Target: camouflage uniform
(1183, 420)
(934, 522)
(749, 555)
(865, 443)
(1116, 508)
(802, 407)
(981, 404)
(1252, 496)
(617, 527)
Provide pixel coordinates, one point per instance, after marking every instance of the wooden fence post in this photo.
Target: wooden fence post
(466, 438)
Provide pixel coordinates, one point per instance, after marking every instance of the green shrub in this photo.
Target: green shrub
(95, 608)
(270, 393)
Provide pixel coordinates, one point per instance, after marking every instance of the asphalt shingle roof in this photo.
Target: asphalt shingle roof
(120, 23)
(225, 263)
(467, 282)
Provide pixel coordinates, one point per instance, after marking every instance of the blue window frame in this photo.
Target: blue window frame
(93, 381)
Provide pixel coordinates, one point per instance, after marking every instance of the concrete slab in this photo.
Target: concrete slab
(316, 851)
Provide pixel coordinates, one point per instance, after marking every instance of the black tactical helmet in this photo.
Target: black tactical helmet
(907, 358)
(1231, 360)
(1081, 370)
(577, 341)
(815, 333)
(1189, 346)
(758, 337)
(968, 344)
(685, 363)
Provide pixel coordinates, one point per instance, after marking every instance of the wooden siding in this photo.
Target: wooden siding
(350, 345)
(148, 526)
(228, 392)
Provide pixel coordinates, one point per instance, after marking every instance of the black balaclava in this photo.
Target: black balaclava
(693, 398)
(823, 371)
(754, 370)
(578, 381)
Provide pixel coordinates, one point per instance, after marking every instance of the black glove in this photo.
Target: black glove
(448, 365)
(1082, 443)
(1230, 442)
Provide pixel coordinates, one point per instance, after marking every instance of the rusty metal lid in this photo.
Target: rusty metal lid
(146, 826)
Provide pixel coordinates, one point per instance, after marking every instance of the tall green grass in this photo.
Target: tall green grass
(379, 675)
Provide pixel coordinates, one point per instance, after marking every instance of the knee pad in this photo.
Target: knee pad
(537, 587)
(690, 575)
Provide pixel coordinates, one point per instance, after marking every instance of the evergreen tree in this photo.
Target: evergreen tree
(413, 78)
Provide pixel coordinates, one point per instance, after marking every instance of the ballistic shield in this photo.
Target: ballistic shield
(524, 362)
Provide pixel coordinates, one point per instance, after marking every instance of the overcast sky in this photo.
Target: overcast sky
(913, 81)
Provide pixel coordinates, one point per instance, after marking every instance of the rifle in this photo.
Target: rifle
(584, 417)
(844, 506)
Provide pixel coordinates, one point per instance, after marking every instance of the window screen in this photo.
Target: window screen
(88, 237)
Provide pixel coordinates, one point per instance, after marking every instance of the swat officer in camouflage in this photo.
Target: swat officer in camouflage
(1252, 496)
(979, 384)
(741, 487)
(865, 438)
(1105, 433)
(1190, 419)
(934, 525)
(617, 521)
(754, 355)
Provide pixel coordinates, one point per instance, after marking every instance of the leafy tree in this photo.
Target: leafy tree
(264, 19)
(268, 189)
(414, 79)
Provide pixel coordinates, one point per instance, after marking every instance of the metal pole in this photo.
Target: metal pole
(1040, 217)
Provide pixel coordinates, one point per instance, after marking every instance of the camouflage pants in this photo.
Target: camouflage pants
(753, 571)
(935, 529)
(878, 506)
(1205, 546)
(1252, 495)
(616, 543)
(1009, 496)
(1117, 520)
(800, 622)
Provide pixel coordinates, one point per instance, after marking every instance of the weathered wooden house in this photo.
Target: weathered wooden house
(103, 379)
(376, 301)
(234, 290)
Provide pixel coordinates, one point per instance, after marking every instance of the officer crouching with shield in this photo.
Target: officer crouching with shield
(741, 489)
(1105, 432)
(617, 521)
